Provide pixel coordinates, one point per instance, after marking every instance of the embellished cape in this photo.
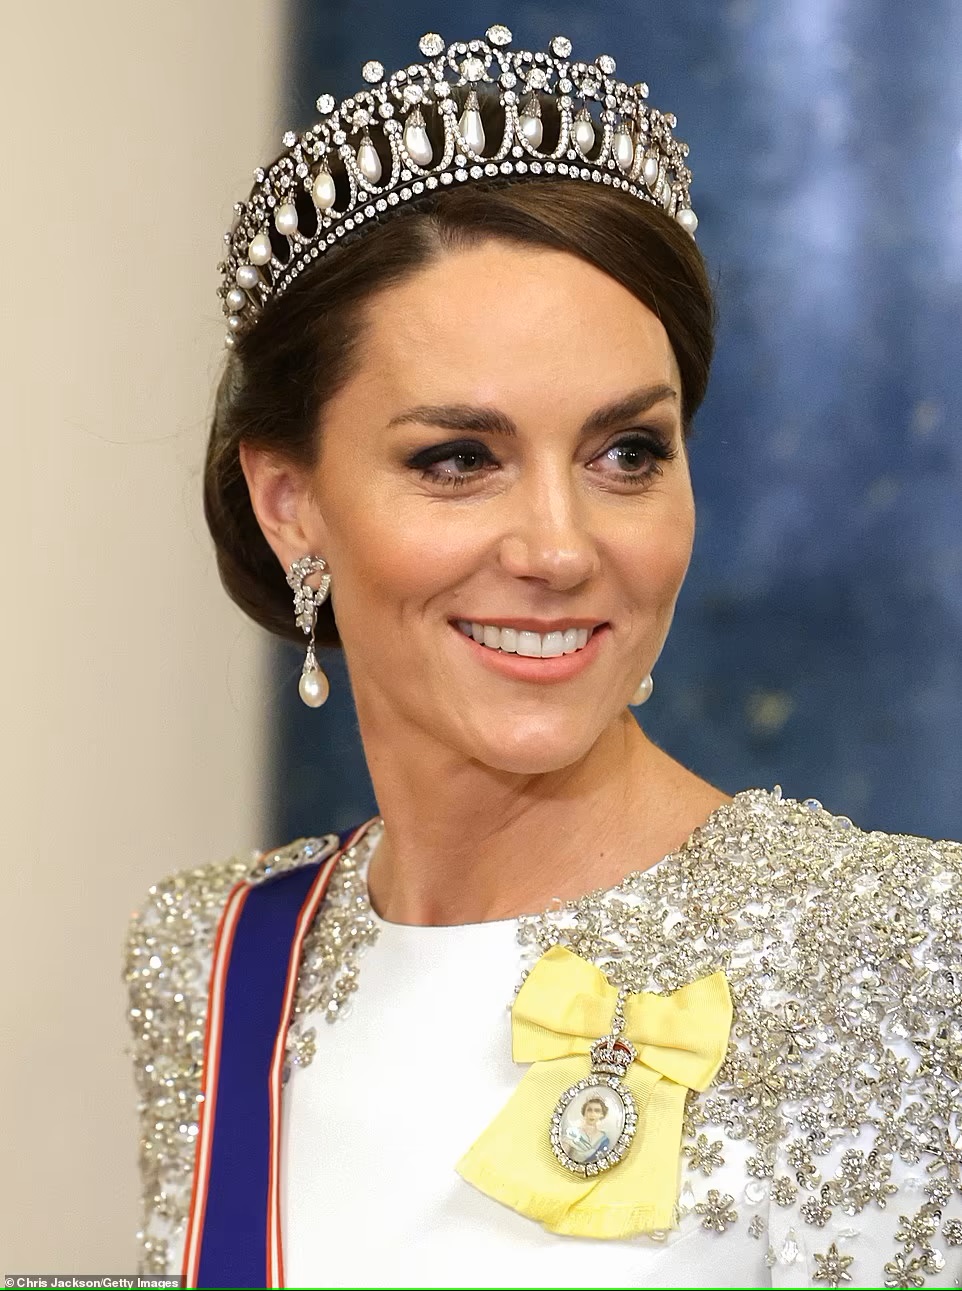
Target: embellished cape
(841, 1092)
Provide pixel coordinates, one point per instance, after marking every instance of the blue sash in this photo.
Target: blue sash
(234, 1230)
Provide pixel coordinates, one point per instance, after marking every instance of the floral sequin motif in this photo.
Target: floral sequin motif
(904, 1271)
(952, 1232)
(784, 1191)
(716, 1210)
(817, 1210)
(704, 1156)
(842, 949)
(832, 1267)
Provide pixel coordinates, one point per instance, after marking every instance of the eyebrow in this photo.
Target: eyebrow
(467, 417)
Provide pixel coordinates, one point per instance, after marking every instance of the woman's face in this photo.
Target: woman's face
(511, 375)
(594, 1112)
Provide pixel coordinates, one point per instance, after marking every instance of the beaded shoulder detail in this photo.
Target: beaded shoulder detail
(168, 959)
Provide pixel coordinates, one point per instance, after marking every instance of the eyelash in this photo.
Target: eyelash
(653, 445)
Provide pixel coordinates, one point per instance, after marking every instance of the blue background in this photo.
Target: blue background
(818, 639)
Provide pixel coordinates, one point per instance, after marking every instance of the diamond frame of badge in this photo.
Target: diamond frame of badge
(615, 1154)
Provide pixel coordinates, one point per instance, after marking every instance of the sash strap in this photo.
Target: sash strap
(234, 1229)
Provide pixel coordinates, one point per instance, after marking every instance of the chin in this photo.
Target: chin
(536, 747)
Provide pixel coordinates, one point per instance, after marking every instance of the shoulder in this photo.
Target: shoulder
(168, 958)
(800, 844)
(866, 924)
(843, 948)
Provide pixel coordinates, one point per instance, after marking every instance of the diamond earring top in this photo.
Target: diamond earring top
(313, 686)
(405, 134)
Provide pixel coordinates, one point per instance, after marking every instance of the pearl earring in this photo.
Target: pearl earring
(313, 686)
(643, 693)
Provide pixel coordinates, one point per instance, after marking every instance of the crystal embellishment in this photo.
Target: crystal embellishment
(716, 1210)
(498, 34)
(832, 1267)
(431, 44)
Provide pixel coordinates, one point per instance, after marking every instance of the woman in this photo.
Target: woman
(587, 1141)
(457, 401)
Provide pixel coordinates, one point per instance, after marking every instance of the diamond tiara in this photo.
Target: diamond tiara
(404, 136)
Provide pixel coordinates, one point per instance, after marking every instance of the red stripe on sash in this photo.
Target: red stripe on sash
(226, 927)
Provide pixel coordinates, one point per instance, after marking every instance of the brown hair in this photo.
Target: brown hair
(282, 373)
(594, 1099)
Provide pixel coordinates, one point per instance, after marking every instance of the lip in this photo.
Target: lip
(532, 625)
(545, 671)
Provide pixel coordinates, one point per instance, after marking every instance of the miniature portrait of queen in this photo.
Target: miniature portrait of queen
(587, 1131)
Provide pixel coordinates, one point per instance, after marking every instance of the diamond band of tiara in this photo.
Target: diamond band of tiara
(407, 134)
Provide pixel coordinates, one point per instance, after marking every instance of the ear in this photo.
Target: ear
(284, 505)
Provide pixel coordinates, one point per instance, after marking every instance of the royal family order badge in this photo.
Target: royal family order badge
(595, 1119)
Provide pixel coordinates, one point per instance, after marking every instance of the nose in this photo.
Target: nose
(548, 531)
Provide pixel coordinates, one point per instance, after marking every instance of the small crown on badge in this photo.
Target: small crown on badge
(612, 1056)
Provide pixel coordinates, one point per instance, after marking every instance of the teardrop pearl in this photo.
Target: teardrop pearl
(260, 250)
(688, 220)
(368, 162)
(584, 134)
(418, 144)
(643, 693)
(323, 191)
(285, 219)
(624, 150)
(533, 130)
(472, 131)
(247, 277)
(314, 688)
(650, 171)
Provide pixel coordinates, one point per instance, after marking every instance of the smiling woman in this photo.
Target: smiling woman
(466, 406)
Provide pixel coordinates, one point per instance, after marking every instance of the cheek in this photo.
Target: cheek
(654, 555)
(397, 551)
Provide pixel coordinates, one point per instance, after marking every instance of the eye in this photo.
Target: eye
(642, 454)
(431, 461)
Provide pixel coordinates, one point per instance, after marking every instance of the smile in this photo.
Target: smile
(533, 645)
(522, 663)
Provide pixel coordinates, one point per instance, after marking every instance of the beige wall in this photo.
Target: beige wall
(134, 692)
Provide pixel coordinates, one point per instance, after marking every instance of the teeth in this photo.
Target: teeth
(534, 645)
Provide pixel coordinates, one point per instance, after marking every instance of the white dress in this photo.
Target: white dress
(827, 1152)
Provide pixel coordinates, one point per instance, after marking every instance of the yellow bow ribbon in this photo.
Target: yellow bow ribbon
(564, 1006)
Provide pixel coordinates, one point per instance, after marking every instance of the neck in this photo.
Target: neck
(466, 843)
